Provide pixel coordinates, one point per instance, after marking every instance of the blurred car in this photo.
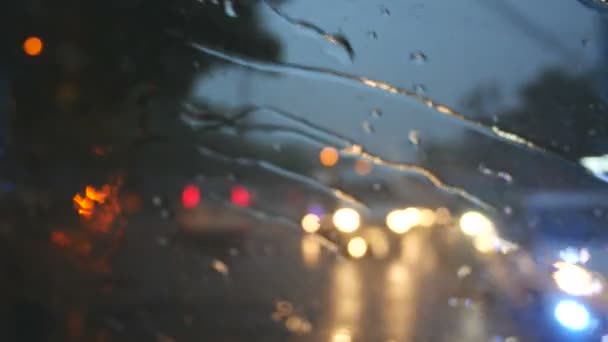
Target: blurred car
(214, 207)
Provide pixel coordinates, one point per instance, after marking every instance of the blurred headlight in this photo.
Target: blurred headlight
(473, 223)
(347, 220)
(572, 315)
(576, 280)
(400, 221)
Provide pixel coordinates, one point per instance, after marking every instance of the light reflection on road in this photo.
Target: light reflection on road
(399, 302)
(346, 300)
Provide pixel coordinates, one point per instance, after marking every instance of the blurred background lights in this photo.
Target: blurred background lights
(572, 315)
(357, 247)
(33, 46)
(342, 335)
(329, 156)
(346, 220)
(576, 280)
(311, 223)
(427, 217)
(396, 221)
(191, 196)
(473, 223)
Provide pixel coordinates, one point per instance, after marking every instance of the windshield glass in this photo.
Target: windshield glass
(281, 170)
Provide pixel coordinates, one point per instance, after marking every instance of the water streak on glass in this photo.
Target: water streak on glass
(315, 134)
(340, 47)
(307, 71)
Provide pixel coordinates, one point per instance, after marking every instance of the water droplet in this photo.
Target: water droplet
(164, 213)
(584, 42)
(162, 241)
(367, 127)
(196, 64)
(220, 267)
(229, 9)
(418, 57)
(508, 210)
(413, 137)
(376, 113)
(276, 147)
(597, 212)
(420, 89)
(453, 301)
(592, 132)
(384, 10)
(157, 201)
(377, 186)
(463, 271)
(372, 35)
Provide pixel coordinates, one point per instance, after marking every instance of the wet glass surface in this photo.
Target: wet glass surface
(286, 170)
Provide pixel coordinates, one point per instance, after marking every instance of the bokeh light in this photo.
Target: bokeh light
(357, 247)
(240, 196)
(576, 280)
(342, 335)
(474, 223)
(396, 221)
(427, 217)
(572, 315)
(346, 220)
(191, 196)
(33, 46)
(311, 223)
(329, 157)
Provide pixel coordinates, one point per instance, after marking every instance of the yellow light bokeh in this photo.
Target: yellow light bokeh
(576, 280)
(485, 243)
(329, 157)
(396, 221)
(341, 335)
(427, 217)
(346, 220)
(357, 247)
(33, 46)
(311, 223)
(474, 223)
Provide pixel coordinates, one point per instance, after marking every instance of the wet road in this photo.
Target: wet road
(279, 285)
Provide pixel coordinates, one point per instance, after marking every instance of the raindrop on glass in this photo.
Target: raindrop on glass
(367, 127)
(157, 201)
(377, 186)
(584, 42)
(229, 9)
(376, 113)
(418, 57)
(453, 302)
(372, 35)
(276, 147)
(164, 213)
(385, 11)
(508, 210)
(413, 137)
(419, 89)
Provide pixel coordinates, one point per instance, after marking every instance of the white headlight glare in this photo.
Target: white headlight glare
(572, 315)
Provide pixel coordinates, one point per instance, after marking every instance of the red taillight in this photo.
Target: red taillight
(240, 196)
(191, 196)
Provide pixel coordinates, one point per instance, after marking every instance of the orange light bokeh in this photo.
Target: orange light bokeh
(33, 46)
(60, 239)
(363, 167)
(97, 196)
(329, 156)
